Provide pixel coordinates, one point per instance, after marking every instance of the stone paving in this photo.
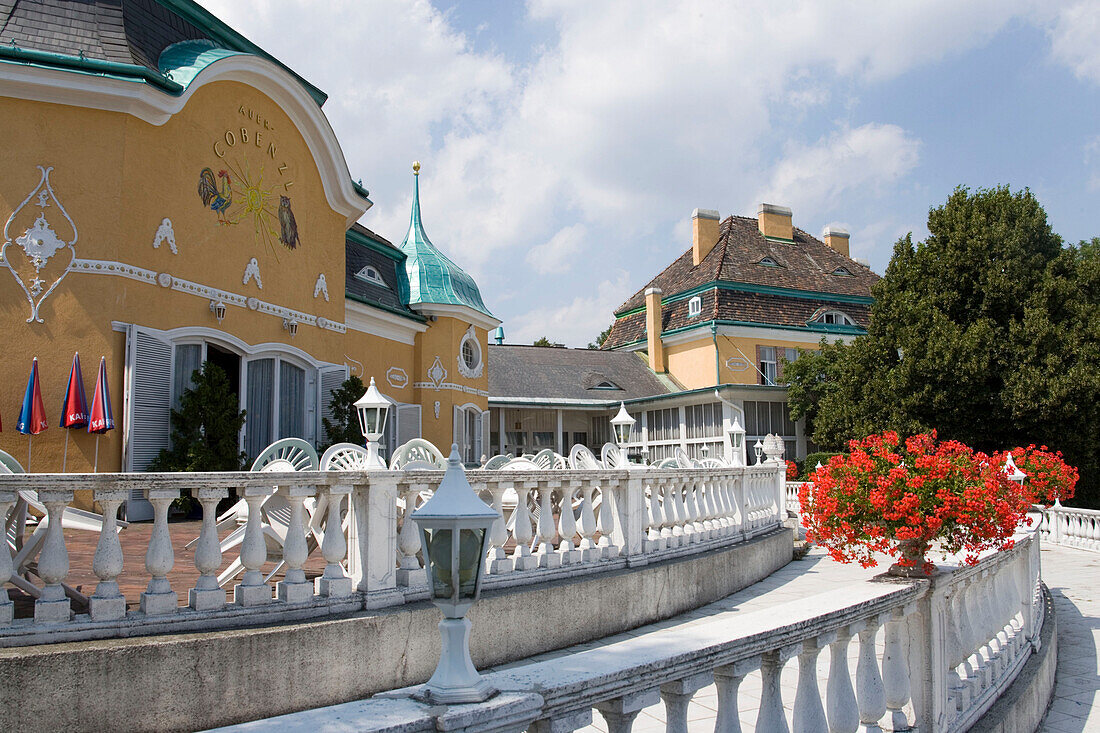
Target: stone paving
(1073, 577)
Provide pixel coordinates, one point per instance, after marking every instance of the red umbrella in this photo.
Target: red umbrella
(74, 408)
(100, 417)
(32, 416)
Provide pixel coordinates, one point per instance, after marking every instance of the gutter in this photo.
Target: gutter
(610, 404)
(98, 67)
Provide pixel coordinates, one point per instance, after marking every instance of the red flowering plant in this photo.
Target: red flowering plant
(1049, 478)
(900, 497)
(792, 470)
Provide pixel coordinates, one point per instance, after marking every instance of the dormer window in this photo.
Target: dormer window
(695, 306)
(371, 275)
(835, 318)
(769, 262)
(843, 272)
(606, 384)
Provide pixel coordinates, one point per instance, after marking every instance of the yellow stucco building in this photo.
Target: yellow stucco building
(173, 194)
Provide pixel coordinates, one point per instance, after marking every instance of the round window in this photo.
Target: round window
(469, 354)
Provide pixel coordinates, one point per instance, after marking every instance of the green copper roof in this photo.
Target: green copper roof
(182, 62)
(431, 278)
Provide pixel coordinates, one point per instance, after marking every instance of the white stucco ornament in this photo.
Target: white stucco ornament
(252, 272)
(42, 256)
(470, 361)
(321, 288)
(437, 373)
(437, 409)
(165, 234)
(737, 364)
(397, 377)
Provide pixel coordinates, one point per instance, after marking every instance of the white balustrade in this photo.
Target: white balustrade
(207, 595)
(108, 603)
(408, 540)
(52, 606)
(1072, 527)
(7, 568)
(334, 583)
(252, 590)
(159, 598)
(294, 588)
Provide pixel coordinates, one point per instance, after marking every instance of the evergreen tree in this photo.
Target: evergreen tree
(206, 428)
(344, 426)
(543, 341)
(986, 331)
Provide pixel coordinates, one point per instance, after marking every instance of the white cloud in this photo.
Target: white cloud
(1074, 39)
(577, 322)
(559, 254)
(817, 177)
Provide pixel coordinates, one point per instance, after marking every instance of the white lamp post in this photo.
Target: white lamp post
(622, 423)
(1013, 472)
(758, 449)
(454, 526)
(372, 409)
(737, 442)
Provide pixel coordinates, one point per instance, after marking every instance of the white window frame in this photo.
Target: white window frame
(835, 318)
(370, 274)
(470, 338)
(769, 368)
(695, 306)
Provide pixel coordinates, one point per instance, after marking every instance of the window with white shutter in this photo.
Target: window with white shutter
(148, 403)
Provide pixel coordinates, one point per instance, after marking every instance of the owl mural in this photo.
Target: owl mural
(289, 234)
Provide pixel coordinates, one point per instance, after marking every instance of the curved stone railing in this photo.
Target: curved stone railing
(1071, 527)
(552, 525)
(933, 654)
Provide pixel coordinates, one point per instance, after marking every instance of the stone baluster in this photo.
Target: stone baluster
(499, 563)
(52, 607)
(522, 559)
(546, 556)
(974, 663)
(294, 588)
(207, 595)
(108, 603)
(567, 525)
(895, 672)
(956, 653)
(870, 692)
(159, 598)
(713, 521)
(620, 712)
(693, 528)
(587, 526)
(252, 590)
(334, 583)
(841, 709)
(7, 568)
(654, 541)
(728, 679)
(699, 493)
(771, 716)
(719, 511)
(737, 502)
(809, 714)
(677, 695)
(607, 522)
(674, 514)
(409, 571)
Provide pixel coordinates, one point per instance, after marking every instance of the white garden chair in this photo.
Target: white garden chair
(496, 462)
(548, 459)
(612, 457)
(582, 459)
(418, 455)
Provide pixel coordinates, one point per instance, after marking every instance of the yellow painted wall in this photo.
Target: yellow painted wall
(118, 178)
(745, 349)
(692, 363)
(441, 341)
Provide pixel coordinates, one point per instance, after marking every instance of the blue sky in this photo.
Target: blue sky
(565, 143)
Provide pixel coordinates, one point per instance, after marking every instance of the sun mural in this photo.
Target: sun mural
(237, 195)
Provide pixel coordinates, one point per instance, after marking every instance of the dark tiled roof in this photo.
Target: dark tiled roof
(541, 373)
(807, 264)
(735, 305)
(358, 256)
(123, 31)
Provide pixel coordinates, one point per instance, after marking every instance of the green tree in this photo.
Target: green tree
(598, 343)
(205, 429)
(344, 426)
(985, 331)
(543, 341)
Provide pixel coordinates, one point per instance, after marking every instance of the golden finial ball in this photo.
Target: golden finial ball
(416, 167)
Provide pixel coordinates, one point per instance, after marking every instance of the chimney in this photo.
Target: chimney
(837, 238)
(653, 329)
(775, 221)
(704, 233)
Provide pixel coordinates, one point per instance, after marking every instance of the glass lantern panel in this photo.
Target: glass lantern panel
(445, 571)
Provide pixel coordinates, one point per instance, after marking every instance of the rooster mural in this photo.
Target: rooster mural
(213, 196)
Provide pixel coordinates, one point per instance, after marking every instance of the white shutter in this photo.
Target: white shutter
(331, 379)
(456, 433)
(147, 396)
(482, 439)
(408, 423)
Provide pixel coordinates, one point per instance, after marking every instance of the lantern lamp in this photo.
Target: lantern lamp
(737, 442)
(622, 424)
(218, 309)
(758, 449)
(454, 528)
(372, 409)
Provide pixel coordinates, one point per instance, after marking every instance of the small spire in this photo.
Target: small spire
(416, 167)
